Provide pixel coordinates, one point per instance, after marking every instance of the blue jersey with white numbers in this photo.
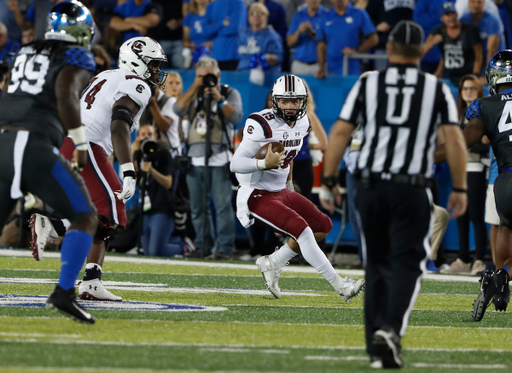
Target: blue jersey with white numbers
(495, 112)
(31, 100)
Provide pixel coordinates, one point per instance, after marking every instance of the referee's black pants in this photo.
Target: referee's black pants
(396, 221)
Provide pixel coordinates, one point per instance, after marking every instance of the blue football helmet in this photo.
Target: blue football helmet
(499, 70)
(70, 21)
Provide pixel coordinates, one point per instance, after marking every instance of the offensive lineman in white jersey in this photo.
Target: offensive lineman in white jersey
(266, 190)
(111, 106)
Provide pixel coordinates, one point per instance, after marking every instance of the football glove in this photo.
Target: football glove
(128, 182)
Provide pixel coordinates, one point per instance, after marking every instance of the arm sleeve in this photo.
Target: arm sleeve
(352, 105)
(294, 25)
(119, 11)
(494, 26)
(235, 100)
(368, 27)
(178, 111)
(244, 161)
(135, 88)
(474, 110)
(437, 31)
(320, 35)
(80, 58)
(30, 14)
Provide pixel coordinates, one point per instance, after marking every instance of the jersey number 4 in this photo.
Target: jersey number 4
(90, 96)
(29, 73)
(505, 123)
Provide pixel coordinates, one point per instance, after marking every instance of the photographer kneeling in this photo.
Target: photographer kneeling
(154, 168)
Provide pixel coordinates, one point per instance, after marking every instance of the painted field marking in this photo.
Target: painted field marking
(39, 301)
(416, 365)
(289, 269)
(39, 335)
(160, 288)
(459, 366)
(335, 358)
(245, 350)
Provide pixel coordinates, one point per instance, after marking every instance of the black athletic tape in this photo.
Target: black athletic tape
(123, 113)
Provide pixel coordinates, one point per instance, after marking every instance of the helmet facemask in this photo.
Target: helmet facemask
(281, 113)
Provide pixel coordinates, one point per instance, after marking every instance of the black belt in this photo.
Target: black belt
(413, 180)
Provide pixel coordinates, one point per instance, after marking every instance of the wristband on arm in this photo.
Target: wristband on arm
(128, 170)
(78, 137)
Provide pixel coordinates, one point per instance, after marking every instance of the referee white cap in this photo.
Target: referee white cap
(406, 32)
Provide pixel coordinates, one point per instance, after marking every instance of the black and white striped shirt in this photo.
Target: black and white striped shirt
(401, 109)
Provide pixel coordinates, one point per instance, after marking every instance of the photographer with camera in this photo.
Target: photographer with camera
(154, 166)
(213, 111)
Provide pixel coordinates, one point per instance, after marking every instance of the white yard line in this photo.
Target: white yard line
(288, 269)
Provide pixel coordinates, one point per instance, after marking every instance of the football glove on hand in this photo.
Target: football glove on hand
(128, 182)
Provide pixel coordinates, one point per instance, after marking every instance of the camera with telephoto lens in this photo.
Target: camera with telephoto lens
(149, 148)
(210, 80)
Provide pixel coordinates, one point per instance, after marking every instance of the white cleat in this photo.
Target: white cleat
(270, 274)
(42, 232)
(94, 290)
(350, 288)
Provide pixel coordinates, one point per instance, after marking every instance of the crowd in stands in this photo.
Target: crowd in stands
(305, 37)
(301, 36)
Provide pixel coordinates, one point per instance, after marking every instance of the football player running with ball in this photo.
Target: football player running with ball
(266, 190)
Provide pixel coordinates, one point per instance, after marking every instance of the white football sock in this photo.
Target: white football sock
(282, 256)
(92, 265)
(316, 257)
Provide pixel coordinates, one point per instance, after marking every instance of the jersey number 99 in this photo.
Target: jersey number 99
(29, 73)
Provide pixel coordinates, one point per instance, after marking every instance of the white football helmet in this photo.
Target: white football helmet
(289, 86)
(136, 53)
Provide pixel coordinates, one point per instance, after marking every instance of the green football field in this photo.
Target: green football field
(198, 316)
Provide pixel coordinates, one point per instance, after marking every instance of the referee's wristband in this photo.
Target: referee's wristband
(459, 190)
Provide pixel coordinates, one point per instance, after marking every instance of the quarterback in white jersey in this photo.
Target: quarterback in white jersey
(265, 196)
(111, 106)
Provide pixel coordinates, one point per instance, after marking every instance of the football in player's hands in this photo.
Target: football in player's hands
(277, 147)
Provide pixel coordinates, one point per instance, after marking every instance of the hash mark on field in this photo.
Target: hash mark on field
(326, 358)
(459, 366)
(245, 350)
(36, 335)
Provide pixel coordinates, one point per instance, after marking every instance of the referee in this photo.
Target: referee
(401, 109)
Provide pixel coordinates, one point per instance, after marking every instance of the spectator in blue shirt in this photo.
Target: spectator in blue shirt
(8, 18)
(338, 35)
(427, 14)
(260, 40)
(135, 17)
(277, 19)
(491, 32)
(302, 37)
(7, 45)
(225, 19)
(194, 36)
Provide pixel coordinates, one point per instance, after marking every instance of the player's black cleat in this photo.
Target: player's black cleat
(489, 287)
(502, 299)
(65, 302)
(387, 345)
